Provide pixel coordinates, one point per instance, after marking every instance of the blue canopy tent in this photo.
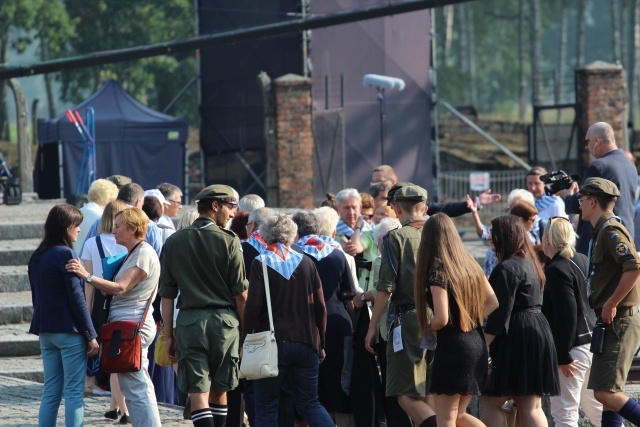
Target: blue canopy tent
(131, 140)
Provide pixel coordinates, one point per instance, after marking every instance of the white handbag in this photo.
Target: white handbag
(260, 350)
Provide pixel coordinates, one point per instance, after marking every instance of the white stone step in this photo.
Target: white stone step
(16, 341)
(13, 278)
(27, 368)
(15, 307)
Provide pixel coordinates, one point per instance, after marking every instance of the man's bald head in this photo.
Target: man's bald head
(604, 132)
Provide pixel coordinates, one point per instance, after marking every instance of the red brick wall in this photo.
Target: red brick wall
(294, 142)
(601, 95)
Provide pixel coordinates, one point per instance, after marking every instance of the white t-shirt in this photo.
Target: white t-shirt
(91, 212)
(131, 304)
(91, 252)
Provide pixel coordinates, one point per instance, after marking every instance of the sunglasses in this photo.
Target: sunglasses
(581, 201)
(559, 217)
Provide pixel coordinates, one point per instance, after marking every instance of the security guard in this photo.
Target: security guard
(204, 263)
(407, 361)
(614, 270)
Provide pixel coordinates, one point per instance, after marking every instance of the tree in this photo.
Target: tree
(582, 9)
(536, 53)
(17, 15)
(53, 29)
(104, 25)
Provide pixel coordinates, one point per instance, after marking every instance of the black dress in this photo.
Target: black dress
(460, 360)
(337, 280)
(523, 353)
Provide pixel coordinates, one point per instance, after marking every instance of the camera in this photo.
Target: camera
(557, 180)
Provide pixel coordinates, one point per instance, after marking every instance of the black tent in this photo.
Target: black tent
(131, 140)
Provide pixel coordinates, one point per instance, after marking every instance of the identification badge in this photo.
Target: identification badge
(429, 340)
(397, 339)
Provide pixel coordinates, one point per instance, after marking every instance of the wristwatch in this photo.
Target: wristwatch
(89, 278)
(363, 297)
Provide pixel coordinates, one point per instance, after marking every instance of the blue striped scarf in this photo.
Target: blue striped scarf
(282, 259)
(544, 202)
(331, 242)
(343, 228)
(314, 246)
(256, 241)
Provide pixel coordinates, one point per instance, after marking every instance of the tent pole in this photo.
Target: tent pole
(187, 192)
(61, 169)
(179, 95)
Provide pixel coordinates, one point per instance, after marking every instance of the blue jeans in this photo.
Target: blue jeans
(64, 357)
(298, 365)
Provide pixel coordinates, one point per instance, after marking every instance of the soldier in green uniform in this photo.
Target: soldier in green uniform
(614, 270)
(407, 366)
(204, 263)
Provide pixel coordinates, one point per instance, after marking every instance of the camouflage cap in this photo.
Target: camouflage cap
(119, 180)
(393, 190)
(410, 193)
(599, 187)
(217, 191)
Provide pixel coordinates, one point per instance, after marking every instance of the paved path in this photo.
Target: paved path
(20, 402)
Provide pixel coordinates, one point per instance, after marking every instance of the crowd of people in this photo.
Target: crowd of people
(380, 313)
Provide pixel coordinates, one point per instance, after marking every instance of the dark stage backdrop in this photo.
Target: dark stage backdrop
(396, 46)
(231, 107)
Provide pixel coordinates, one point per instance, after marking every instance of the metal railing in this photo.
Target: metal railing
(455, 185)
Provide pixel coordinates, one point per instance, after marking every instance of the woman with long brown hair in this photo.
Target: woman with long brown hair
(451, 285)
(519, 336)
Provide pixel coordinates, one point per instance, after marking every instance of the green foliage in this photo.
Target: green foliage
(109, 25)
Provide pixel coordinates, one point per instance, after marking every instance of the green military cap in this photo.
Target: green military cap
(599, 187)
(119, 180)
(410, 193)
(393, 190)
(217, 191)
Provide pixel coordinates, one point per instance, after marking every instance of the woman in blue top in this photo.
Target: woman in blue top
(61, 318)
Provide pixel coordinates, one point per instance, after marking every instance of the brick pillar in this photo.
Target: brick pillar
(292, 174)
(601, 96)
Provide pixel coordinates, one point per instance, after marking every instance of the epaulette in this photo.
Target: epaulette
(229, 232)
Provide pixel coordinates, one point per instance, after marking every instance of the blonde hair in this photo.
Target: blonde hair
(135, 219)
(561, 236)
(441, 248)
(187, 218)
(102, 191)
(109, 214)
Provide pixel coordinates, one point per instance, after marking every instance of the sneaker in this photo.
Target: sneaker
(125, 419)
(112, 414)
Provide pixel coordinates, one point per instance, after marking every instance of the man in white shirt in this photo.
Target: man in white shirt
(173, 197)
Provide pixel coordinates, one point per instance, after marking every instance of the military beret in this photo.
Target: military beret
(410, 193)
(119, 180)
(599, 187)
(217, 191)
(393, 190)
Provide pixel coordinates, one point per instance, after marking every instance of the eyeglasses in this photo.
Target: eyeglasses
(175, 201)
(581, 201)
(249, 225)
(367, 217)
(588, 140)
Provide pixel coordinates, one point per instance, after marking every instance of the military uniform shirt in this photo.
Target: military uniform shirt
(205, 263)
(399, 254)
(612, 253)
